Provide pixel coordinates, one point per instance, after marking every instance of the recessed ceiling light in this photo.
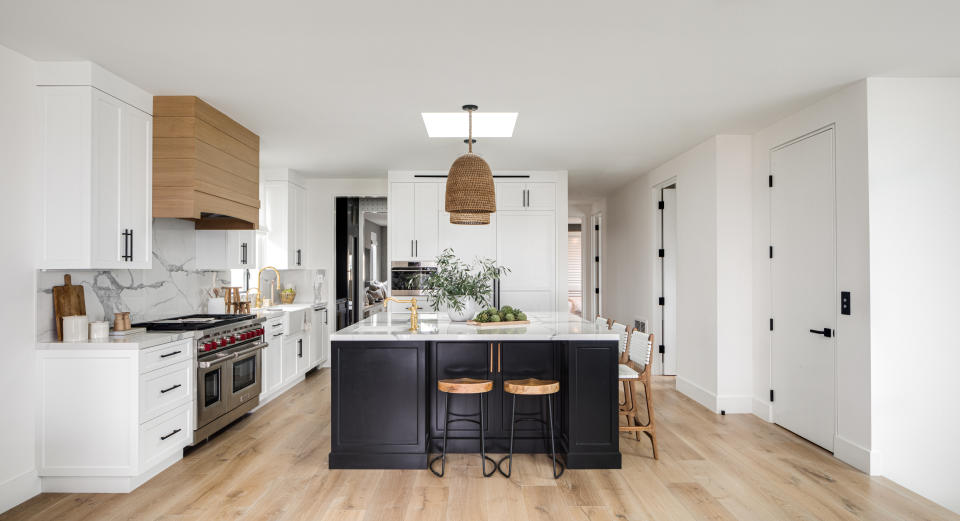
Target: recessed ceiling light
(454, 124)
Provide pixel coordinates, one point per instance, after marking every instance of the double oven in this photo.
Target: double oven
(229, 375)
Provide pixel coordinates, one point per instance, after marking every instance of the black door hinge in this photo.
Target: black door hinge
(596, 290)
(659, 205)
(662, 349)
(771, 395)
(596, 259)
(661, 253)
(771, 324)
(771, 252)
(770, 181)
(660, 301)
(596, 227)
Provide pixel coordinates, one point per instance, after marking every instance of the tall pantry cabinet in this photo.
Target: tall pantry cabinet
(96, 204)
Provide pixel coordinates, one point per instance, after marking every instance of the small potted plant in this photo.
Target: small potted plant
(460, 289)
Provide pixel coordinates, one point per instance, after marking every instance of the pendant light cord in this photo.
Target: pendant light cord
(470, 132)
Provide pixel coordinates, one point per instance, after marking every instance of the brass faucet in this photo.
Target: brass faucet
(414, 318)
(260, 279)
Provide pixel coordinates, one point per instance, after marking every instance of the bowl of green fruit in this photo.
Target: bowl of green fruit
(505, 316)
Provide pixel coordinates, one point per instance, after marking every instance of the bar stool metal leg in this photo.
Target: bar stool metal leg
(509, 457)
(446, 425)
(553, 448)
(483, 446)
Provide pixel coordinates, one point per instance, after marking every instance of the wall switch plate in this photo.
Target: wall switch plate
(844, 302)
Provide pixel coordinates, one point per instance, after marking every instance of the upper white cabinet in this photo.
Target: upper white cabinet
(527, 233)
(284, 246)
(96, 204)
(226, 249)
(414, 209)
(526, 195)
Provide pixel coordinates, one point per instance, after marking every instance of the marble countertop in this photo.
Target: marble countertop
(133, 341)
(434, 327)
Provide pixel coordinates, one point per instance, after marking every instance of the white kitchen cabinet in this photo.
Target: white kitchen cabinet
(290, 357)
(226, 249)
(531, 283)
(414, 213)
(318, 337)
(284, 246)
(96, 204)
(525, 196)
(110, 419)
(467, 242)
(272, 370)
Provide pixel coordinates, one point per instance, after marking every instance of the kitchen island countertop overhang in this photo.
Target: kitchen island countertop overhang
(386, 410)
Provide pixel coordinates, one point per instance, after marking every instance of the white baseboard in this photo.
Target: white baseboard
(763, 410)
(18, 489)
(107, 484)
(854, 455)
(698, 394)
(735, 403)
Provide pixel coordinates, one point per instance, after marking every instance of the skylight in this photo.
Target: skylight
(454, 124)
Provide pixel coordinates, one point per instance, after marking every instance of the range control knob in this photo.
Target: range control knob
(208, 346)
(223, 342)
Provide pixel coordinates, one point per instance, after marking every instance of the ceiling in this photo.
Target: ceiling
(606, 90)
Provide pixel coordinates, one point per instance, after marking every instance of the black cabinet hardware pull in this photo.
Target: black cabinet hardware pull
(168, 435)
(300, 348)
(827, 332)
(278, 334)
(170, 354)
(131, 245)
(168, 389)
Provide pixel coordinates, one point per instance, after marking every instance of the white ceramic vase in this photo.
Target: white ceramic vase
(467, 311)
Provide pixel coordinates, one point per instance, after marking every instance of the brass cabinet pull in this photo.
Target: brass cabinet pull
(499, 370)
(491, 357)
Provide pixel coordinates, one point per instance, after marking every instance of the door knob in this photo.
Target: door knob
(827, 332)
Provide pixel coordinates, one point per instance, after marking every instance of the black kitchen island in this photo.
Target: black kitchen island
(387, 413)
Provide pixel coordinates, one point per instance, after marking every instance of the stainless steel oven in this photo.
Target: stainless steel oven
(407, 278)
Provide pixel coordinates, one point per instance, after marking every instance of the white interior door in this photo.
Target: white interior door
(668, 266)
(803, 292)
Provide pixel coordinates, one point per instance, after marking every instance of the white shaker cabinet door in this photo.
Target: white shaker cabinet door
(110, 229)
(426, 217)
(510, 195)
(402, 220)
(541, 196)
(526, 243)
(136, 193)
(467, 242)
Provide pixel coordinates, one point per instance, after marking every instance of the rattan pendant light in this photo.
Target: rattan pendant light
(471, 196)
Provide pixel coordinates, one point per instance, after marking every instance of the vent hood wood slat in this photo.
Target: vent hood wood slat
(206, 167)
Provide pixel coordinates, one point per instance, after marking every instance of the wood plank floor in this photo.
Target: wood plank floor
(273, 466)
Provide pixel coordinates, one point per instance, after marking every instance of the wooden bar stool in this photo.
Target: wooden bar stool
(531, 387)
(464, 386)
(630, 377)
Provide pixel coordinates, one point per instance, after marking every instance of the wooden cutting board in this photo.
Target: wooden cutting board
(67, 301)
(498, 324)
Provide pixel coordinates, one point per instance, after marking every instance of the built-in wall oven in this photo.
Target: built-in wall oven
(407, 278)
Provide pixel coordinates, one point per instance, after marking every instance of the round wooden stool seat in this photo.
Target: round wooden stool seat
(531, 386)
(464, 385)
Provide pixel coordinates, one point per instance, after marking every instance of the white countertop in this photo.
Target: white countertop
(543, 326)
(133, 341)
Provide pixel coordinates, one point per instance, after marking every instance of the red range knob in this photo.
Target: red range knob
(233, 339)
(223, 342)
(208, 346)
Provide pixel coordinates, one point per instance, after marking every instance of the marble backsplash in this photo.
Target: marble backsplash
(173, 286)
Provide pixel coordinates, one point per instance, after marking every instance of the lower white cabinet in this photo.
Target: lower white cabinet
(110, 419)
(319, 336)
(291, 357)
(272, 366)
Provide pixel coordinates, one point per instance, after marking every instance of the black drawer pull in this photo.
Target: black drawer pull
(170, 354)
(167, 390)
(162, 438)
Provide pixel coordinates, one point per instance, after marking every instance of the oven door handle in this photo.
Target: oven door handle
(252, 349)
(221, 358)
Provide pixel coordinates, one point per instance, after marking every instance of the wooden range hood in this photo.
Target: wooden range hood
(206, 166)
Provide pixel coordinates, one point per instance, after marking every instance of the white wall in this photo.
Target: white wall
(914, 158)
(19, 168)
(321, 219)
(713, 266)
(847, 110)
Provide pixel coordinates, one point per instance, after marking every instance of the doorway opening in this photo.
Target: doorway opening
(666, 361)
(575, 266)
(361, 246)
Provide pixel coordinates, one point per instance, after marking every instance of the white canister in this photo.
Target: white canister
(99, 330)
(216, 306)
(75, 328)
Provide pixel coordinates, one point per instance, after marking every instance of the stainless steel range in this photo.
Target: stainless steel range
(228, 366)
